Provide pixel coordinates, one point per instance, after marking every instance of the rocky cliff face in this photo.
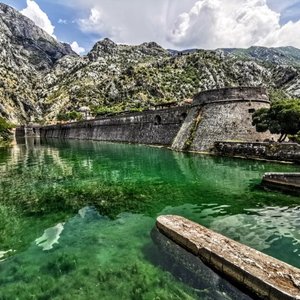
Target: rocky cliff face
(26, 54)
(40, 77)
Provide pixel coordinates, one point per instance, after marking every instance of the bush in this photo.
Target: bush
(5, 130)
(70, 116)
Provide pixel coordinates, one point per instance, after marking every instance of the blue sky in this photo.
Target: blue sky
(56, 11)
(176, 24)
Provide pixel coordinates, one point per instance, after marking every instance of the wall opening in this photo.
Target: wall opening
(157, 120)
(183, 117)
(251, 110)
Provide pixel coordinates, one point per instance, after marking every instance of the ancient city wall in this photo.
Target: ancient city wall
(150, 127)
(225, 122)
(230, 94)
(216, 115)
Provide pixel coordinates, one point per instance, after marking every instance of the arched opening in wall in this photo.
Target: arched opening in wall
(251, 110)
(183, 117)
(157, 120)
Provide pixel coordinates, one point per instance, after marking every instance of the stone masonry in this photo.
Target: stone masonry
(222, 115)
(216, 115)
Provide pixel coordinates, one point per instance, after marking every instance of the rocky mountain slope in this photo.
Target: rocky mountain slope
(280, 55)
(26, 54)
(40, 77)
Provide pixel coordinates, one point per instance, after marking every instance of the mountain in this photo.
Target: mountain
(27, 53)
(41, 77)
(280, 55)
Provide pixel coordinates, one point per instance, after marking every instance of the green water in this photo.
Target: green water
(75, 217)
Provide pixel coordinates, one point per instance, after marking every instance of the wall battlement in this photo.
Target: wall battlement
(238, 94)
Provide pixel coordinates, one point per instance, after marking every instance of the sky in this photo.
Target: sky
(174, 24)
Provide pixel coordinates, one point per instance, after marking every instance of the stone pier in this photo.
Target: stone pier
(260, 274)
(285, 182)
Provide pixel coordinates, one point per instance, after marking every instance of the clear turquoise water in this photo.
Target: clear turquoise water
(76, 217)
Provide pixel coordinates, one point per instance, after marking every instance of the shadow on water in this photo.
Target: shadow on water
(190, 270)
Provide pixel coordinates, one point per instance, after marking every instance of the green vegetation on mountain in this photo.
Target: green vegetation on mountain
(69, 116)
(43, 79)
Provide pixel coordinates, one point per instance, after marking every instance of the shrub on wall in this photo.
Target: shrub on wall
(70, 116)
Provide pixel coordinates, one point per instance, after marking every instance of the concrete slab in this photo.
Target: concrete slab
(259, 273)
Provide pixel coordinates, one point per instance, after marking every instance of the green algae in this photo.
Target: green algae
(78, 217)
(108, 266)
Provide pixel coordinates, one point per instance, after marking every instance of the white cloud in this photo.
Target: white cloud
(39, 17)
(284, 36)
(96, 23)
(62, 21)
(190, 23)
(77, 48)
(210, 24)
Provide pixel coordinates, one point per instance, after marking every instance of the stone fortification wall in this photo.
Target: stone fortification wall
(149, 127)
(216, 115)
(223, 122)
(269, 151)
(224, 114)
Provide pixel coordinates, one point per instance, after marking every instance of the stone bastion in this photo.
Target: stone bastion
(222, 115)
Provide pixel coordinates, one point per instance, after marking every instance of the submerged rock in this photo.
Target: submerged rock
(50, 237)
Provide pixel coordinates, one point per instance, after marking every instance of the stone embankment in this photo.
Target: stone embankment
(286, 182)
(289, 152)
(260, 274)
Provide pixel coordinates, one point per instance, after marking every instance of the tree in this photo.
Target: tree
(70, 116)
(5, 130)
(282, 118)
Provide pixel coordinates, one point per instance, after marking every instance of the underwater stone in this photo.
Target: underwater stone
(50, 237)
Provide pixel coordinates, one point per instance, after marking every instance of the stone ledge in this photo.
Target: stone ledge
(285, 182)
(282, 152)
(260, 274)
